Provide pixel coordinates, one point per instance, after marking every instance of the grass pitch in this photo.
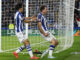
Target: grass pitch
(72, 53)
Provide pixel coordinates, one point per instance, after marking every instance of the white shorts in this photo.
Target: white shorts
(49, 37)
(21, 36)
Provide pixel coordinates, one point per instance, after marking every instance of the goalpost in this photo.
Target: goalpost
(27, 16)
(60, 23)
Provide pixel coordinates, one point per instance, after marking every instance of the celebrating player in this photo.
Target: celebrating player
(20, 20)
(42, 25)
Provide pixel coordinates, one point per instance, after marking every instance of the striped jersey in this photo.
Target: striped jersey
(18, 22)
(41, 18)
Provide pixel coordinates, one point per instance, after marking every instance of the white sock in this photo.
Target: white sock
(29, 50)
(51, 48)
(30, 53)
(17, 51)
(50, 52)
(20, 49)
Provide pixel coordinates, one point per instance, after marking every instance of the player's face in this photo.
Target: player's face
(45, 10)
(21, 9)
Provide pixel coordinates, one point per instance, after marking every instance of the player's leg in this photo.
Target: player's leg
(28, 47)
(20, 37)
(19, 50)
(50, 49)
(54, 43)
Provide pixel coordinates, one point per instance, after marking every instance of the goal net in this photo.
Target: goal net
(60, 23)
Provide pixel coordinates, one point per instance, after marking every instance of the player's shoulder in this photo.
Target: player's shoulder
(18, 14)
(39, 15)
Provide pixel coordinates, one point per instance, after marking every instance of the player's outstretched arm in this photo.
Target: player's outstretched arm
(29, 19)
(41, 30)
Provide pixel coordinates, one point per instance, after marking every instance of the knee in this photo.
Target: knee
(54, 42)
(26, 42)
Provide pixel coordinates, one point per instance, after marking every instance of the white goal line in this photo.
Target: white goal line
(18, 47)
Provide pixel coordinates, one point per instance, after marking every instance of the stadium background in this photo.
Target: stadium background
(8, 11)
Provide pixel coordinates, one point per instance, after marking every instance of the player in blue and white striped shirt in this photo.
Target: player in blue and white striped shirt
(19, 28)
(42, 25)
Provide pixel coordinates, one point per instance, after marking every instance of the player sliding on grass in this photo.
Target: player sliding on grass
(20, 20)
(42, 25)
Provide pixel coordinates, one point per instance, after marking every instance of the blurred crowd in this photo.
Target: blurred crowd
(8, 10)
(77, 14)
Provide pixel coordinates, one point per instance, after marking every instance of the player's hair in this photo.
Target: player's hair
(42, 7)
(18, 6)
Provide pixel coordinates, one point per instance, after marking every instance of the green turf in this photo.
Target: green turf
(64, 55)
(10, 42)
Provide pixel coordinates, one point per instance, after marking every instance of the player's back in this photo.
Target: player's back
(18, 22)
